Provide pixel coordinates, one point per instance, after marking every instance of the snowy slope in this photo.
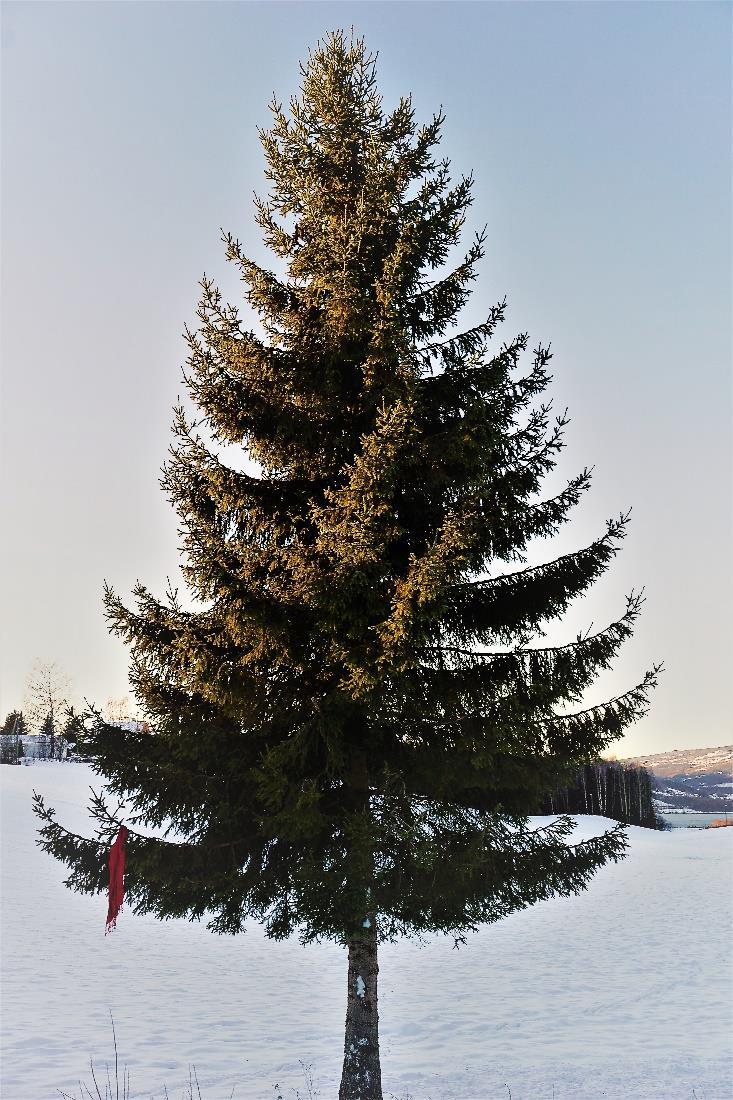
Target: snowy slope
(623, 993)
(686, 761)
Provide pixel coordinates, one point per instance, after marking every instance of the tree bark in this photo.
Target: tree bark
(362, 1076)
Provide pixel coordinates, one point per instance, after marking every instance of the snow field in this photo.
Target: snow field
(622, 993)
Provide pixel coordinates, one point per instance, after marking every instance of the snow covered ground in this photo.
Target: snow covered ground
(623, 993)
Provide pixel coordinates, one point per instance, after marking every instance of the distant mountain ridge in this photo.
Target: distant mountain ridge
(691, 779)
(686, 761)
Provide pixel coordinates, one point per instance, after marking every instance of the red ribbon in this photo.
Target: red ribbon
(116, 879)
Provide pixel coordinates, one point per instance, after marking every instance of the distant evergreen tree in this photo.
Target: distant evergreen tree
(73, 728)
(350, 724)
(14, 723)
(11, 746)
(47, 738)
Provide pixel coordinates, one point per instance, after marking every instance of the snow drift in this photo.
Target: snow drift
(622, 993)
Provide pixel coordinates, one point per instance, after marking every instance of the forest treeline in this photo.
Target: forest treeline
(621, 792)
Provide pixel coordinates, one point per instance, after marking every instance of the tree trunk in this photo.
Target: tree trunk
(362, 1077)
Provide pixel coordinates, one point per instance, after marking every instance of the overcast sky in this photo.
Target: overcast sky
(599, 136)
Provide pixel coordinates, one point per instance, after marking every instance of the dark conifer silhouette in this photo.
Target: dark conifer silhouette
(11, 745)
(351, 724)
(609, 788)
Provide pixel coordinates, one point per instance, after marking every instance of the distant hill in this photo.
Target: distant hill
(686, 761)
(691, 779)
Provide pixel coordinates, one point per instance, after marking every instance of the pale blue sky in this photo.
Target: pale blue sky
(599, 136)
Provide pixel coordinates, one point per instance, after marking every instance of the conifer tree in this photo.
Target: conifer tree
(74, 728)
(47, 738)
(14, 723)
(351, 722)
(11, 745)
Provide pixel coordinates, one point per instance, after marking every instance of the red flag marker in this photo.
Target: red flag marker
(116, 879)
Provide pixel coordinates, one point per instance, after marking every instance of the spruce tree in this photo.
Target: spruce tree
(350, 722)
(11, 746)
(47, 738)
(14, 724)
(74, 728)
